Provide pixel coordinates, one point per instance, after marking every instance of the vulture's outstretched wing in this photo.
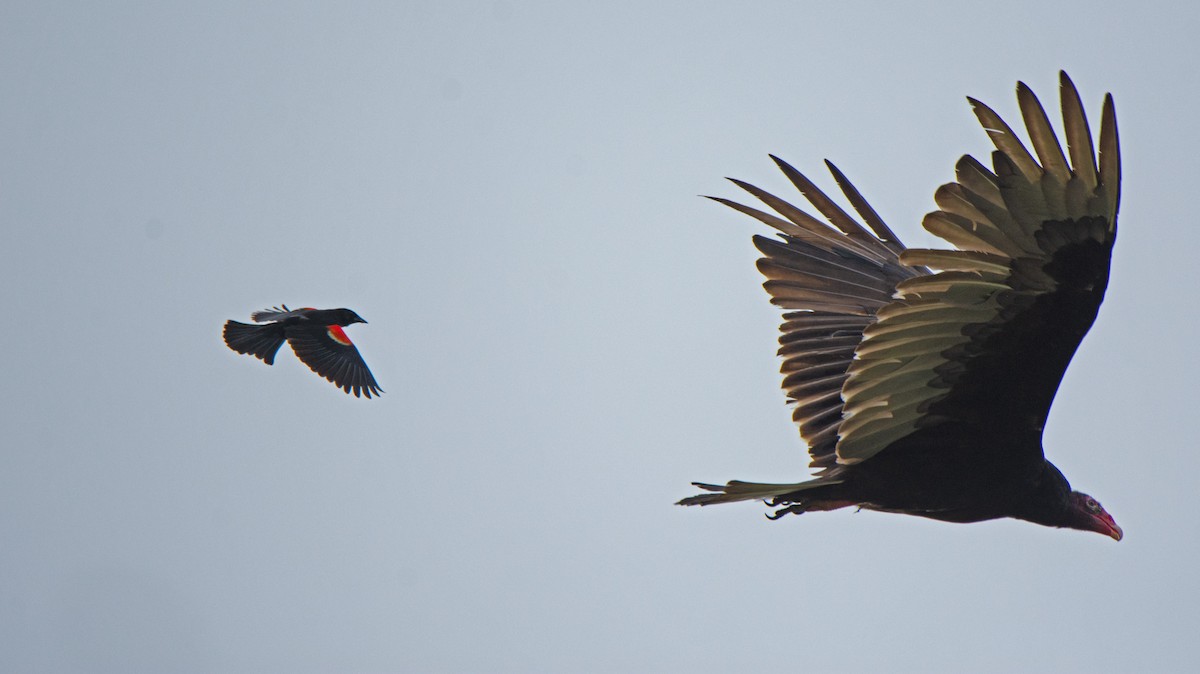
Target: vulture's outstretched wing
(879, 347)
(986, 340)
(835, 278)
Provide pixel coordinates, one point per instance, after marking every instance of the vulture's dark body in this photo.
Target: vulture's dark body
(934, 473)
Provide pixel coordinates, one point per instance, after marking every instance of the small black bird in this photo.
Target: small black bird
(316, 336)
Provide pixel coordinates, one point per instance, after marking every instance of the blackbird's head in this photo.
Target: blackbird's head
(348, 317)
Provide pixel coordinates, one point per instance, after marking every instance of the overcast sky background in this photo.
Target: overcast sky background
(566, 333)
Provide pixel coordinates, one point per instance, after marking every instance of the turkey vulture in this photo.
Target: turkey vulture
(316, 336)
(921, 379)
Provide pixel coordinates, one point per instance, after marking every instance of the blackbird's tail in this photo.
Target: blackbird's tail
(260, 341)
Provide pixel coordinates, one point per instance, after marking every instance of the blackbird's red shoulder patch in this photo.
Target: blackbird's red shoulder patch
(338, 335)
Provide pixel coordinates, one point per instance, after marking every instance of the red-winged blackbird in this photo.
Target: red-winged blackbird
(316, 336)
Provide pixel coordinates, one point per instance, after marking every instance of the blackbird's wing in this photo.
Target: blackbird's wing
(985, 341)
(278, 313)
(327, 351)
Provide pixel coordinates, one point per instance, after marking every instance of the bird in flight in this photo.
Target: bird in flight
(315, 335)
(921, 379)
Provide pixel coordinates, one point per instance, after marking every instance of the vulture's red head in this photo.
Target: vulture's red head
(1086, 513)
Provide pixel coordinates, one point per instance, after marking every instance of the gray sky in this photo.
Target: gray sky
(567, 336)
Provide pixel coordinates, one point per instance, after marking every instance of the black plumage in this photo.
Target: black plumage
(316, 337)
(922, 379)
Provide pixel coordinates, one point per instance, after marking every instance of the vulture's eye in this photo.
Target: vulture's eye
(1092, 505)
